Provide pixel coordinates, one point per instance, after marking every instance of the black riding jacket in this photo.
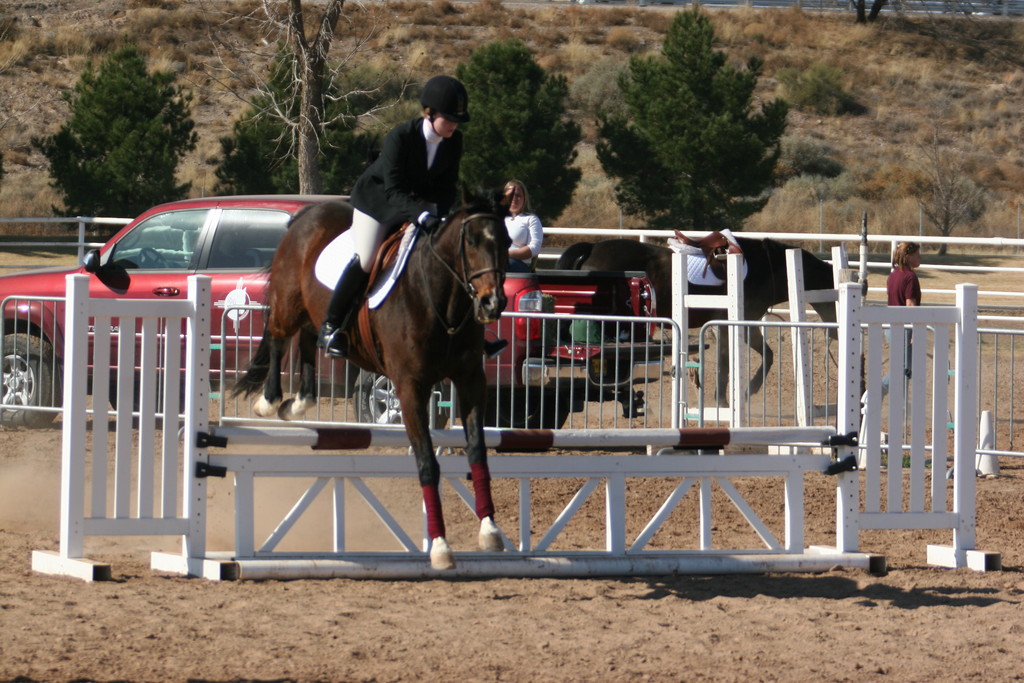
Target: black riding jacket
(398, 186)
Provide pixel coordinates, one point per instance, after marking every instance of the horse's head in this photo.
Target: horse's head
(483, 252)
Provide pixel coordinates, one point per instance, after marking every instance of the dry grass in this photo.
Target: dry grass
(964, 76)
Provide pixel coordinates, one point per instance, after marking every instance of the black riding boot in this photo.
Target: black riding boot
(348, 294)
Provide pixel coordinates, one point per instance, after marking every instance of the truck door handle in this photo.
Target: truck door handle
(167, 291)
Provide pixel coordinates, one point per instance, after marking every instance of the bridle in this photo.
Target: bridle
(464, 280)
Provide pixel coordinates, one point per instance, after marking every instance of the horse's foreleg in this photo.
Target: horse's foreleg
(294, 408)
(472, 394)
(270, 399)
(414, 412)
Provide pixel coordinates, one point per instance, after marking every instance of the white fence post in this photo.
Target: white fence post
(142, 327)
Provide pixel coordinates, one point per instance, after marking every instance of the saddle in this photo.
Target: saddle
(714, 246)
(386, 257)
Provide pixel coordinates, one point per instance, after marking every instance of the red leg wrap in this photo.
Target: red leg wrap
(435, 519)
(482, 490)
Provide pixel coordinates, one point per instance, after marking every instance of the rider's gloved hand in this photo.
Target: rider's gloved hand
(428, 222)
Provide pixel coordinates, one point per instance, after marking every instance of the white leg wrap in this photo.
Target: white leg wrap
(441, 557)
(490, 538)
(264, 408)
(293, 409)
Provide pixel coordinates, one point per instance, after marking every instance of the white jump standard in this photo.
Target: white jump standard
(160, 487)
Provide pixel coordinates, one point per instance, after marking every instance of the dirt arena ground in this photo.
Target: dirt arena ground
(913, 624)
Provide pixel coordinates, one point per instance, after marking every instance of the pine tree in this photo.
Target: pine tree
(128, 131)
(693, 153)
(518, 128)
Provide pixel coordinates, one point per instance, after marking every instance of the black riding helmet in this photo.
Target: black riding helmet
(447, 96)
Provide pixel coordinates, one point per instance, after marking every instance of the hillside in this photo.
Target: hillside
(955, 85)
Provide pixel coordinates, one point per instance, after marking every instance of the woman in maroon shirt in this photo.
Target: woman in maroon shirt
(904, 290)
(903, 285)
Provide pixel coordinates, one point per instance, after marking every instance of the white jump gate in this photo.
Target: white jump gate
(175, 471)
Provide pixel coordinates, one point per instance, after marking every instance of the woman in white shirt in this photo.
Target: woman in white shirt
(524, 228)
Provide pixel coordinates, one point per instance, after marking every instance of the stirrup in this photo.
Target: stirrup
(493, 348)
(333, 341)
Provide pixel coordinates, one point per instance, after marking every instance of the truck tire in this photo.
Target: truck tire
(535, 409)
(377, 403)
(27, 380)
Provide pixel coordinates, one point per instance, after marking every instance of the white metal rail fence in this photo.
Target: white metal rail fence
(80, 245)
(589, 372)
(32, 361)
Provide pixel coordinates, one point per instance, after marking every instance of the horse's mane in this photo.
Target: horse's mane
(481, 200)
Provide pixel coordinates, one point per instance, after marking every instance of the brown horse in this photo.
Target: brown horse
(429, 328)
(766, 285)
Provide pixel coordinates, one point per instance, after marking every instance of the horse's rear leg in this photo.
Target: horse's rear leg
(270, 399)
(472, 394)
(754, 340)
(294, 408)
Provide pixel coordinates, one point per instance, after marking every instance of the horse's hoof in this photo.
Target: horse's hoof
(441, 557)
(284, 411)
(264, 408)
(490, 538)
(293, 409)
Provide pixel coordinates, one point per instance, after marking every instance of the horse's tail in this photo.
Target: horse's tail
(574, 256)
(256, 374)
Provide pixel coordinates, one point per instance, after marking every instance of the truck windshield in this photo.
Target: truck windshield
(165, 241)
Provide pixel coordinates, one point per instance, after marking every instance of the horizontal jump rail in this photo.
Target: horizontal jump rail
(359, 438)
(395, 465)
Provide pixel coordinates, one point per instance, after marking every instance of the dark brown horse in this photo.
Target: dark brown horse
(429, 328)
(766, 285)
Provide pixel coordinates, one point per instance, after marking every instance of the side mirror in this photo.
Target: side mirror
(91, 261)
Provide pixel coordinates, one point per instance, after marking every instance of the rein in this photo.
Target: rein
(464, 281)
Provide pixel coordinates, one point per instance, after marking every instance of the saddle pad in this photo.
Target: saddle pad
(335, 255)
(696, 271)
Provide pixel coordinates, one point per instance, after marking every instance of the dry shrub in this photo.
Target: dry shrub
(622, 38)
(548, 40)
(30, 197)
(69, 41)
(15, 52)
(8, 28)
(889, 181)
(1001, 219)
(444, 8)
(655, 21)
(423, 15)
(487, 13)
(398, 34)
(420, 57)
(15, 157)
(577, 56)
(551, 61)
(618, 16)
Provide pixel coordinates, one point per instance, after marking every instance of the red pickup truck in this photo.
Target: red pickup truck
(232, 240)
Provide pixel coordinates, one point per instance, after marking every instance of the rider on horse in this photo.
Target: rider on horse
(413, 180)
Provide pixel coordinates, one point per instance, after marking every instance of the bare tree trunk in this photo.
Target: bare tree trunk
(876, 8)
(861, 11)
(311, 60)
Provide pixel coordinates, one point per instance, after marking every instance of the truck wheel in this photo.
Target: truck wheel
(27, 380)
(533, 409)
(377, 403)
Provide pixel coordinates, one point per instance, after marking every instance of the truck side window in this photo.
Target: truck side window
(165, 242)
(247, 238)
